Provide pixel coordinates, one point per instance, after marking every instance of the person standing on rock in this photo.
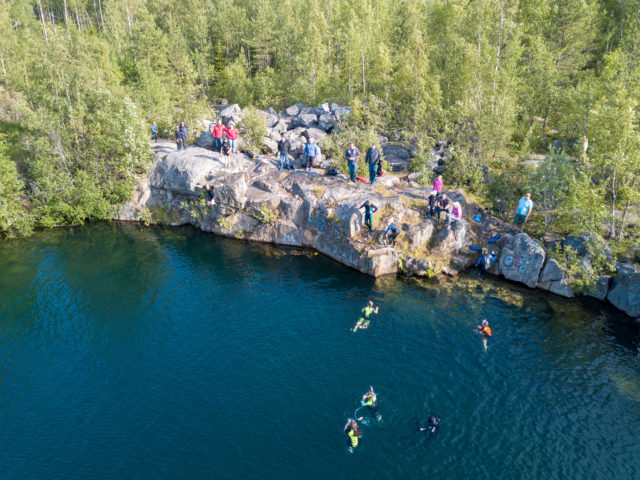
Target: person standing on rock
(184, 132)
(154, 132)
(372, 158)
(311, 151)
(352, 155)
(218, 132)
(369, 210)
(232, 135)
(284, 147)
(437, 184)
(178, 134)
(523, 210)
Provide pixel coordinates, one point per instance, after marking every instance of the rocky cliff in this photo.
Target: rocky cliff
(253, 200)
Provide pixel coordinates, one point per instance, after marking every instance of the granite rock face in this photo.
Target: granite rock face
(253, 200)
(522, 259)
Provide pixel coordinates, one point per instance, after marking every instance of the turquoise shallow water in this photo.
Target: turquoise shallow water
(129, 352)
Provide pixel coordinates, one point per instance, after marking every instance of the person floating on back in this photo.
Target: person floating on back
(485, 330)
(392, 232)
(369, 210)
(154, 132)
(366, 314)
(372, 158)
(353, 431)
(523, 210)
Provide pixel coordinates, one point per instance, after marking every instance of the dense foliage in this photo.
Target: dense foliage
(502, 79)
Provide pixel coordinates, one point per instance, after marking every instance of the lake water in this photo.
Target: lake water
(150, 353)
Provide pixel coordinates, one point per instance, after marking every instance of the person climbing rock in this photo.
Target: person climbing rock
(484, 261)
(369, 210)
(392, 232)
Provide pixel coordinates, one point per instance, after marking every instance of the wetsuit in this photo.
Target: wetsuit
(369, 210)
(392, 235)
(366, 313)
(432, 426)
(484, 262)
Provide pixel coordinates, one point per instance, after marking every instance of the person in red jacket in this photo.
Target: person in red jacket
(232, 135)
(218, 132)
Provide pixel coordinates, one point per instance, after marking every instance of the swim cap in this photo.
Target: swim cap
(484, 322)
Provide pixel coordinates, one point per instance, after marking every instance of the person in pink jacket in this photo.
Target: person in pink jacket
(437, 184)
(232, 135)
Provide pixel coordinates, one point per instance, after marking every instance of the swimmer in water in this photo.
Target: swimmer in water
(370, 399)
(366, 312)
(432, 425)
(485, 330)
(353, 431)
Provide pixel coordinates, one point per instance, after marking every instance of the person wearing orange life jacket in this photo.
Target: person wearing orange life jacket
(484, 329)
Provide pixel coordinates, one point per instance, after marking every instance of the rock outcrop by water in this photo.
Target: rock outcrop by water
(253, 200)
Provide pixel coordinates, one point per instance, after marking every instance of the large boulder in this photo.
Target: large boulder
(205, 140)
(292, 111)
(307, 120)
(281, 125)
(326, 121)
(554, 279)
(522, 259)
(602, 288)
(271, 144)
(231, 195)
(418, 235)
(322, 109)
(317, 134)
(397, 156)
(231, 113)
(180, 172)
(449, 240)
(625, 289)
(269, 119)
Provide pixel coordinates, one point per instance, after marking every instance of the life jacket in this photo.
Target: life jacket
(370, 400)
(367, 311)
(486, 329)
(353, 437)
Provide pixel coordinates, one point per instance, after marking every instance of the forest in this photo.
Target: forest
(537, 95)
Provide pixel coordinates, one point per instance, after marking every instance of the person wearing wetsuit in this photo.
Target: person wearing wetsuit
(353, 431)
(431, 207)
(393, 233)
(369, 210)
(370, 399)
(366, 313)
(484, 261)
(485, 330)
(432, 426)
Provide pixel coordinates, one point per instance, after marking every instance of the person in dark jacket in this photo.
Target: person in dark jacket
(284, 147)
(444, 205)
(431, 206)
(178, 134)
(352, 155)
(369, 210)
(184, 130)
(372, 158)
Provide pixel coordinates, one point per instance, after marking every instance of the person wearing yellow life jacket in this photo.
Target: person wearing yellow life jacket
(353, 431)
(366, 313)
(370, 399)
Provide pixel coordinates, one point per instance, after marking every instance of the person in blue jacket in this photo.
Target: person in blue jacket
(311, 151)
(154, 132)
(392, 232)
(484, 261)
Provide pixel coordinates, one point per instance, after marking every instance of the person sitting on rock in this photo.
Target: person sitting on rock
(369, 210)
(456, 211)
(392, 232)
(431, 206)
(444, 205)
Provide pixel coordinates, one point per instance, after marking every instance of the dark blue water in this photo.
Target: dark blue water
(140, 353)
